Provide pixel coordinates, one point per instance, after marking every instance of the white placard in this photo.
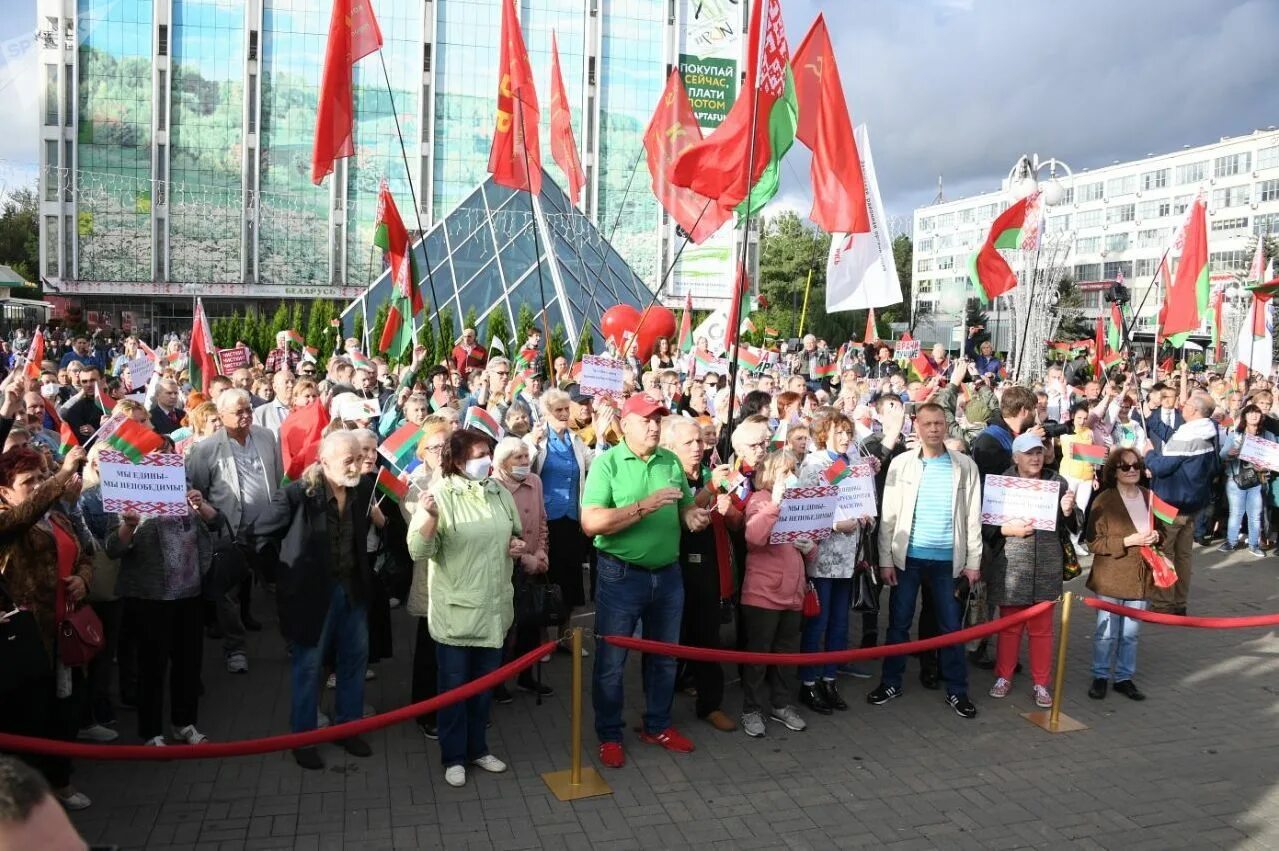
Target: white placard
(1006, 499)
(719, 366)
(857, 493)
(1260, 452)
(353, 407)
(806, 514)
(601, 376)
(140, 372)
(906, 349)
(156, 487)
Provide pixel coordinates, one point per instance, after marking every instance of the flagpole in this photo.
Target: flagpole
(804, 313)
(417, 214)
(537, 246)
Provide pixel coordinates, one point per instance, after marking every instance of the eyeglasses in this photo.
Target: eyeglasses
(1127, 468)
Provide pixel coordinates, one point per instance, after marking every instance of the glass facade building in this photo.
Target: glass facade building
(177, 134)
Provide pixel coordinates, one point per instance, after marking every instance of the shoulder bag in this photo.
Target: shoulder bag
(80, 636)
(229, 563)
(865, 582)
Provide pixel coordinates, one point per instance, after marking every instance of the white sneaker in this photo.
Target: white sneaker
(321, 720)
(546, 658)
(788, 718)
(753, 724)
(237, 663)
(97, 733)
(73, 800)
(489, 763)
(369, 674)
(455, 776)
(156, 742)
(189, 735)
(332, 681)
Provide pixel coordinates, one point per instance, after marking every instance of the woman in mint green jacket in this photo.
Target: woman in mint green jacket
(468, 528)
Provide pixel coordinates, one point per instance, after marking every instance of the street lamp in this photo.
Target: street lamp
(1023, 178)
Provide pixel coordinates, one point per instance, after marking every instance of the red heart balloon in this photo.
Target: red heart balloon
(618, 322)
(659, 322)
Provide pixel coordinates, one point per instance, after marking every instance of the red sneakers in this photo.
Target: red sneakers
(611, 755)
(670, 738)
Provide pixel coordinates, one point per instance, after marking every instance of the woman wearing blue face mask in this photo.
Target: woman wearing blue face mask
(468, 527)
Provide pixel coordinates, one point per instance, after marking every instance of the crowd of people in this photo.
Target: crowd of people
(655, 506)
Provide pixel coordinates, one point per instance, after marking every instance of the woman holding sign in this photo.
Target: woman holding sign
(1023, 566)
(1244, 481)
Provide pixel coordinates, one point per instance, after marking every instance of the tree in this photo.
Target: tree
(279, 322)
(426, 337)
(974, 317)
(379, 323)
(444, 345)
(525, 321)
(20, 233)
(319, 328)
(558, 344)
(586, 341)
(359, 332)
(498, 329)
(472, 320)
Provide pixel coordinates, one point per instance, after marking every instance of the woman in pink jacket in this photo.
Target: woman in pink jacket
(772, 599)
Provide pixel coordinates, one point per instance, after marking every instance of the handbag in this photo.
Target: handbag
(865, 583)
(976, 611)
(539, 603)
(229, 563)
(812, 603)
(1069, 560)
(1246, 476)
(22, 654)
(79, 635)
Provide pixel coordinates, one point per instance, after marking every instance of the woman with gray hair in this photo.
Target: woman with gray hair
(560, 459)
(511, 470)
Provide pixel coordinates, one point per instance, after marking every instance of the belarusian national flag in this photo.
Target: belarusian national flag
(685, 343)
(1016, 227)
(478, 419)
(202, 366)
(1165, 511)
(400, 446)
(826, 370)
(1114, 334)
(293, 336)
(353, 34)
(749, 357)
(390, 234)
(837, 472)
(739, 163)
(391, 486)
(741, 285)
(66, 439)
(104, 400)
(563, 145)
(359, 360)
(310, 353)
(1090, 452)
(515, 159)
(1187, 298)
(706, 360)
(779, 437)
(135, 440)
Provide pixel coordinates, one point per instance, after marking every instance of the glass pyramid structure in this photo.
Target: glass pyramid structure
(500, 249)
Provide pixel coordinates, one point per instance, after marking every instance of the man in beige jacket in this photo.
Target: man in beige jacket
(929, 532)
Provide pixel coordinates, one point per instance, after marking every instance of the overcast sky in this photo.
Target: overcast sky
(961, 88)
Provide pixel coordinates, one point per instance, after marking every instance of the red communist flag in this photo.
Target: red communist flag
(353, 34)
(839, 193)
(515, 160)
(673, 128)
(563, 145)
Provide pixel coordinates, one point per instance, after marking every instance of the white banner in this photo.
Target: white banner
(806, 514)
(140, 372)
(857, 493)
(860, 271)
(1260, 452)
(1006, 499)
(713, 328)
(1256, 353)
(155, 487)
(601, 376)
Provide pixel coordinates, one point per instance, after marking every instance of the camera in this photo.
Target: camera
(1052, 429)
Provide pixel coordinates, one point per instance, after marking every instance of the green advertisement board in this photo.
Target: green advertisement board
(712, 87)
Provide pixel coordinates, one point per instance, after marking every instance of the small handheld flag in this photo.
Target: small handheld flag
(399, 447)
(1090, 452)
(393, 487)
(1163, 510)
(135, 440)
(837, 472)
(482, 421)
(66, 438)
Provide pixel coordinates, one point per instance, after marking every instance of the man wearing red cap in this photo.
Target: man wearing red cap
(636, 497)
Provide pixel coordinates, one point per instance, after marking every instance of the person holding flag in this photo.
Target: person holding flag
(1243, 482)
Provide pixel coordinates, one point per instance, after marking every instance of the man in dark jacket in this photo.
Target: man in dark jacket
(323, 584)
(1183, 473)
(992, 450)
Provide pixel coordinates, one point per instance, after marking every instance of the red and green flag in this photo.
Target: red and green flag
(353, 34)
(294, 337)
(685, 343)
(1016, 227)
(35, 355)
(390, 234)
(739, 164)
(66, 438)
(826, 370)
(1165, 511)
(203, 365)
(748, 357)
(135, 440)
(104, 400)
(300, 435)
(478, 419)
(359, 360)
(1090, 452)
(400, 446)
(391, 486)
(1187, 297)
(1115, 333)
(837, 472)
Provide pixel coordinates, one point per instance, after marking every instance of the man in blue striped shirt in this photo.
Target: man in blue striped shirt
(929, 533)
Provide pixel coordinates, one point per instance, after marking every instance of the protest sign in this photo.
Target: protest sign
(906, 349)
(857, 493)
(806, 514)
(140, 372)
(233, 359)
(154, 487)
(1260, 452)
(349, 406)
(1007, 499)
(601, 376)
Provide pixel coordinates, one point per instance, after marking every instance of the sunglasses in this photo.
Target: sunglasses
(1127, 468)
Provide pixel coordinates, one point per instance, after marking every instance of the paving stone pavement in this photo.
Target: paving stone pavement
(1193, 766)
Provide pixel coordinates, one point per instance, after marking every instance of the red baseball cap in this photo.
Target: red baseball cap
(644, 405)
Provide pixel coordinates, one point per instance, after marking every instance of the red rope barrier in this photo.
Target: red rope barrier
(741, 657)
(252, 747)
(1182, 620)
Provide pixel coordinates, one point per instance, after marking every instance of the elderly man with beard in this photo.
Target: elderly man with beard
(323, 584)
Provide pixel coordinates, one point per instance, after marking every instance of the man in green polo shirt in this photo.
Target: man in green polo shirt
(636, 497)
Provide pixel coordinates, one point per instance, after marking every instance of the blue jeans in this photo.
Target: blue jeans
(624, 595)
(1116, 631)
(939, 575)
(829, 628)
(346, 630)
(463, 726)
(1242, 501)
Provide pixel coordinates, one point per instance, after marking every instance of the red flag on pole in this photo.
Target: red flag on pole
(673, 128)
(353, 34)
(685, 339)
(839, 192)
(740, 286)
(871, 335)
(202, 366)
(515, 160)
(563, 145)
(35, 355)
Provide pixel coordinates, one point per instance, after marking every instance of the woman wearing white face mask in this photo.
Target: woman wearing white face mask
(511, 470)
(469, 529)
